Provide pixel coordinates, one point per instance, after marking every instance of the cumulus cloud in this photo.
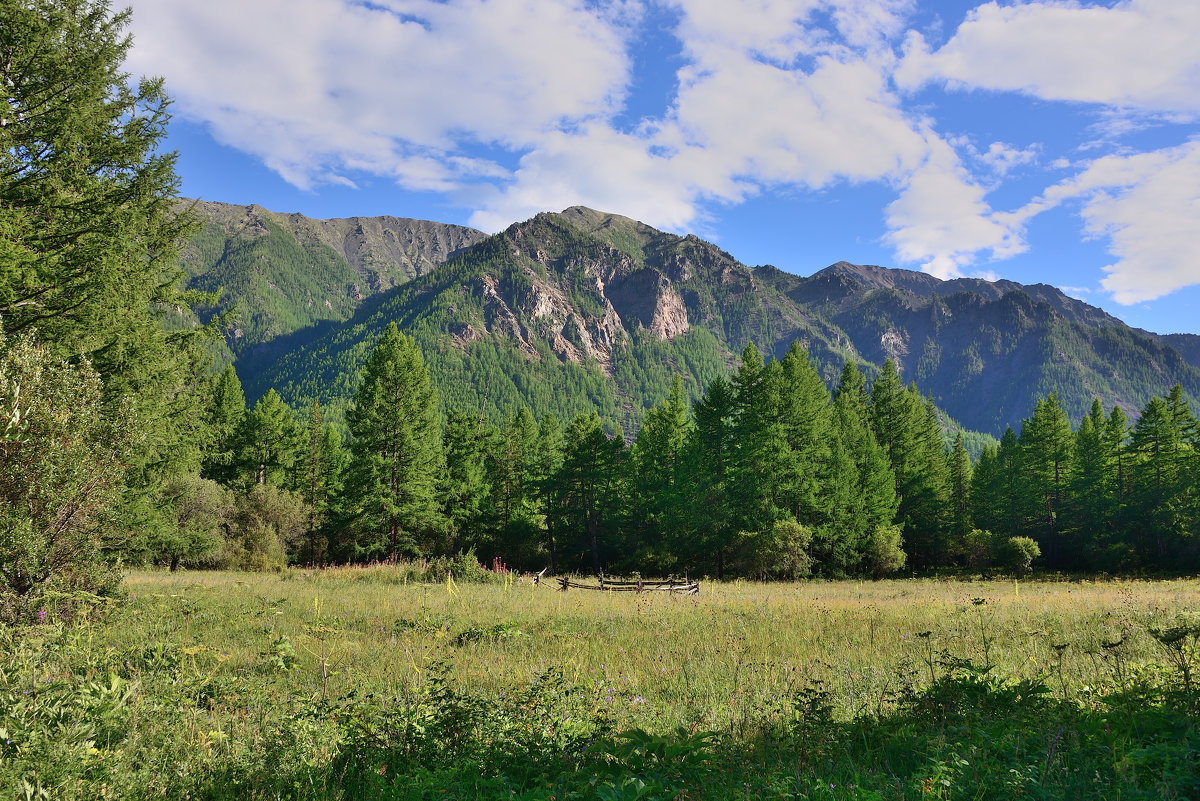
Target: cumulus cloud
(1146, 205)
(768, 100)
(1138, 54)
(511, 107)
(318, 88)
(941, 219)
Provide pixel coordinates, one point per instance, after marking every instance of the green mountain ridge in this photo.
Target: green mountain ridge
(282, 273)
(582, 309)
(563, 313)
(967, 339)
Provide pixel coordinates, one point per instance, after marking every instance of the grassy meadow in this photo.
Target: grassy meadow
(360, 683)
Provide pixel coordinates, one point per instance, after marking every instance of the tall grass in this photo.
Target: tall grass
(204, 683)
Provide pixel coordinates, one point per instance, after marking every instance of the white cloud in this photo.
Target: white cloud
(601, 168)
(1002, 158)
(321, 87)
(773, 94)
(941, 219)
(1138, 54)
(746, 119)
(1147, 205)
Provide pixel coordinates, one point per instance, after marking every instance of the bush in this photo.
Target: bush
(463, 566)
(884, 553)
(266, 523)
(1016, 555)
(192, 534)
(63, 454)
(977, 550)
(780, 552)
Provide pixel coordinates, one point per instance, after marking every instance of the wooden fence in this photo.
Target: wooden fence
(609, 585)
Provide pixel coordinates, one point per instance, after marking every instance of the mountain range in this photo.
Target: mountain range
(581, 309)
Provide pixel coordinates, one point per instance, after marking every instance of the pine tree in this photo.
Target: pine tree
(1161, 478)
(318, 481)
(1090, 491)
(872, 504)
(907, 428)
(807, 428)
(1008, 500)
(396, 453)
(960, 490)
(984, 493)
(515, 484)
(759, 464)
(711, 453)
(1116, 458)
(466, 493)
(548, 464)
(226, 410)
(587, 489)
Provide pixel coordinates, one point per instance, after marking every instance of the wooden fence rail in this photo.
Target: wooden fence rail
(609, 585)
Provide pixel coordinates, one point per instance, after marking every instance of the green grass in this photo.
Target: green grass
(351, 683)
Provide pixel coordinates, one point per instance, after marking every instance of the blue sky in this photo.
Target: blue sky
(1053, 141)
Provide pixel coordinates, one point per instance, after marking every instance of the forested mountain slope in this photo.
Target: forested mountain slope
(563, 313)
(286, 272)
(584, 309)
(987, 350)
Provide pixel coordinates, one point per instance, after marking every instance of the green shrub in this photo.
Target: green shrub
(1016, 555)
(884, 553)
(63, 456)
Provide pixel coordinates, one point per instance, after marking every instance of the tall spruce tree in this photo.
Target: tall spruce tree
(515, 485)
(226, 411)
(586, 490)
(1091, 518)
(466, 493)
(549, 461)
(1160, 477)
(319, 465)
(907, 427)
(985, 479)
(269, 443)
(960, 490)
(872, 504)
(396, 454)
(807, 428)
(759, 465)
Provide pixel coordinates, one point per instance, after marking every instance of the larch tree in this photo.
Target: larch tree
(1046, 460)
(90, 232)
(90, 227)
(396, 452)
(656, 462)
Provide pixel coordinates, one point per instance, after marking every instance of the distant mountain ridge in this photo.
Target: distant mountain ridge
(585, 309)
(987, 350)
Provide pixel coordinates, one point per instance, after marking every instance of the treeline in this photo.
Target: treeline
(768, 474)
